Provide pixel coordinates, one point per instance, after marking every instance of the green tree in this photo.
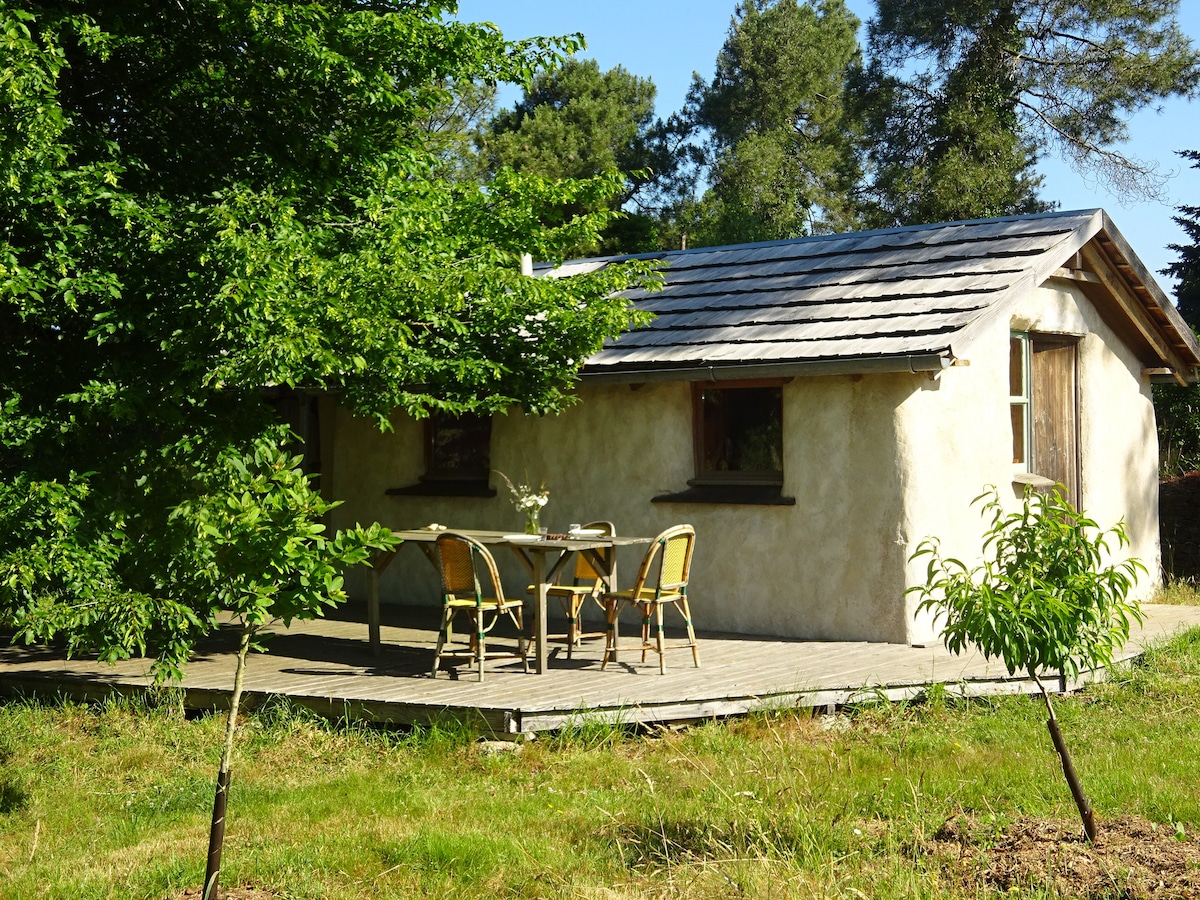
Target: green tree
(453, 124)
(1042, 601)
(1187, 268)
(1176, 408)
(948, 152)
(960, 98)
(576, 121)
(779, 159)
(201, 200)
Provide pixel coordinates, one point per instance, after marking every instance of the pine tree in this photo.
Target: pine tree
(779, 159)
(960, 98)
(577, 122)
(1177, 409)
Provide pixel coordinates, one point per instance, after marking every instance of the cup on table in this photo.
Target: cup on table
(573, 528)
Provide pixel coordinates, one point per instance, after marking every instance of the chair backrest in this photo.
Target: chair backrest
(673, 551)
(584, 570)
(459, 556)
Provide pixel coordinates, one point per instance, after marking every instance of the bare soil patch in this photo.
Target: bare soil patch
(1132, 858)
(233, 893)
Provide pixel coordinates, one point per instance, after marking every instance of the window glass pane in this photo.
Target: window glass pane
(742, 430)
(459, 446)
(1016, 368)
(1018, 432)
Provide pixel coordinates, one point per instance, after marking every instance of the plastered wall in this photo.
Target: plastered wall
(956, 439)
(875, 463)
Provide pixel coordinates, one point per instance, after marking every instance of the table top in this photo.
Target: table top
(532, 541)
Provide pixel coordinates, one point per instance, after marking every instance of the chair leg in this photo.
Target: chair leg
(611, 612)
(686, 611)
(661, 646)
(480, 642)
(572, 625)
(522, 644)
(645, 629)
(443, 631)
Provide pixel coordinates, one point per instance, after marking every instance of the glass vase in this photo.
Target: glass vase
(531, 520)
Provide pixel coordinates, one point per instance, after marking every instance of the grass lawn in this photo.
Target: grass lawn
(887, 801)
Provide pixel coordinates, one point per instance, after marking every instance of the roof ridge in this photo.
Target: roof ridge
(832, 236)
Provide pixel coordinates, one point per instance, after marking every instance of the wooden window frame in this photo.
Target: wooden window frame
(300, 411)
(704, 477)
(437, 482)
(434, 472)
(1051, 419)
(1019, 341)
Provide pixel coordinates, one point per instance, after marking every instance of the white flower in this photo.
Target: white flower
(525, 497)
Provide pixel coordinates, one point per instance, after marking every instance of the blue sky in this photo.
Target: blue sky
(666, 40)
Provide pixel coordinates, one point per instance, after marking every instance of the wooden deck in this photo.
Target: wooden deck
(327, 666)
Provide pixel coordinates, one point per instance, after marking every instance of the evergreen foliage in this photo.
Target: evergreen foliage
(1177, 409)
(1187, 268)
(957, 153)
(961, 97)
(576, 121)
(780, 158)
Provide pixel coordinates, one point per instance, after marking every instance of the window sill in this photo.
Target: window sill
(1033, 480)
(446, 488)
(745, 494)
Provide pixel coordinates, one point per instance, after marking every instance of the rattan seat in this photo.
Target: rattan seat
(662, 580)
(459, 559)
(586, 584)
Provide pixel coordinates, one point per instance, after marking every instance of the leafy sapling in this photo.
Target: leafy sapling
(1042, 600)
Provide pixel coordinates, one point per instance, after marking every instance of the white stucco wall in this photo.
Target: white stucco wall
(829, 567)
(875, 462)
(956, 439)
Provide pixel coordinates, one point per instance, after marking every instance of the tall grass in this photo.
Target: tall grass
(1178, 592)
(112, 801)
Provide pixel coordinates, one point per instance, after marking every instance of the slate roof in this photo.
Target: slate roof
(903, 298)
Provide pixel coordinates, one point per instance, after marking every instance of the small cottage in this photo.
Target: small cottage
(815, 408)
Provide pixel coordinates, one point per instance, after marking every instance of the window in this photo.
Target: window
(1042, 400)
(1018, 399)
(458, 456)
(457, 448)
(739, 434)
(737, 440)
(300, 412)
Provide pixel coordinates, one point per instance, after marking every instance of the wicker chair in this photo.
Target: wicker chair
(656, 587)
(459, 559)
(586, 584)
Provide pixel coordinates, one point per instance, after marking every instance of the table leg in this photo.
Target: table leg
(535, 561)
(539, 579)
(378, 565)
(373, 614)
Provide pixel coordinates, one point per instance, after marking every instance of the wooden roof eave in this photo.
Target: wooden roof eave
(930, 363)
(1137, 287)
(1114, 298)
(1122, 277)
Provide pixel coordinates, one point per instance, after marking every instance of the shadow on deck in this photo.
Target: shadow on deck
(327, 666)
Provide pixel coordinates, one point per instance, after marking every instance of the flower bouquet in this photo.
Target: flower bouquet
(528, 500)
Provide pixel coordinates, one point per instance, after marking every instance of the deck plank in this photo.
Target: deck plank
(327, 665)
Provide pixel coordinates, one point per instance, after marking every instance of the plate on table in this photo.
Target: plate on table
(522, 538)
(586, 532)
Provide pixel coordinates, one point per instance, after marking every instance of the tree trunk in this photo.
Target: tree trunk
(216, 834)
(1081, 801)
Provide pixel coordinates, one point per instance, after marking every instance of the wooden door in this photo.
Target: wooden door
(1055, 412)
